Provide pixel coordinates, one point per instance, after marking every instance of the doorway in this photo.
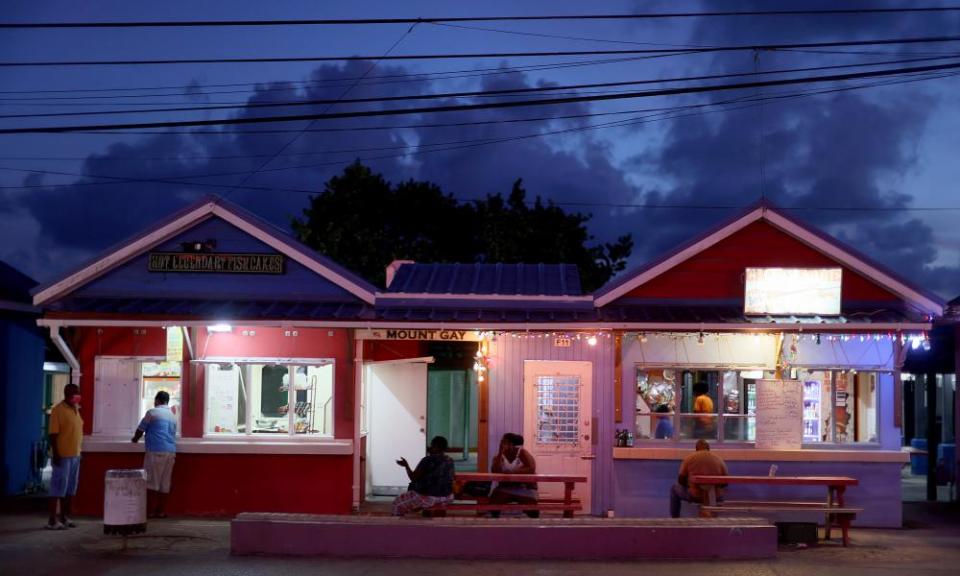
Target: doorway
(558, 422)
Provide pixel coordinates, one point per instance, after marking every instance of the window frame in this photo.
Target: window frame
(134, 402)
(675, 416)
(243, 362)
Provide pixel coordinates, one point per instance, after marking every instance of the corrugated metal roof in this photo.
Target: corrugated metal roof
(487, 279)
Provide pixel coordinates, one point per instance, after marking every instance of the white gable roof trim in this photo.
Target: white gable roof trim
(167, 231)
(816, 242)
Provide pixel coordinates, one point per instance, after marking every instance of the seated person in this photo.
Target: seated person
(664, 430)
(701, 463)
(430, 484)
(513, 459)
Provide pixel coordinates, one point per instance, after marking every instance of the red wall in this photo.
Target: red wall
(374, 350)
(227, 484)
(88, 343)
(718, 271)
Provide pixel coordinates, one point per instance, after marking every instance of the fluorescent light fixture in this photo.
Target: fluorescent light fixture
(219, 328)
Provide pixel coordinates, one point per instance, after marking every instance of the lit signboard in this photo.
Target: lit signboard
(783, 291)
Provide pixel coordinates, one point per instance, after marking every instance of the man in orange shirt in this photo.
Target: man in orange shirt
(703, 426)
(700, 463)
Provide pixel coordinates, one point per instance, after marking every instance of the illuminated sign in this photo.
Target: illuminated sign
(419, 334)
(785, 291)
(214, 262)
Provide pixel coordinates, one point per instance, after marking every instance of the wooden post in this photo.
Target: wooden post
(483, 426)
(933, 436)
(618, 377)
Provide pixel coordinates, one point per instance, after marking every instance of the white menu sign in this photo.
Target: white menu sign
(784, 291)
(779, 415)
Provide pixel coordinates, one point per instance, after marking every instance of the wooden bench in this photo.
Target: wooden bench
(834, 507)
(567, 505)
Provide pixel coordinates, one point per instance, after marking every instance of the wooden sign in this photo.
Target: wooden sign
(419, 334)
(779, 415)
(216, 263)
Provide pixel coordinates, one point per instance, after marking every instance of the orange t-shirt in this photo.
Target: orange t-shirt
(703, 404)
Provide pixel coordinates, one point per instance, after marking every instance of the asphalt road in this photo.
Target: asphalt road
(929, 544)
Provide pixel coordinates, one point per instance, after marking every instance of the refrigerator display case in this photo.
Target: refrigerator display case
(811, 411)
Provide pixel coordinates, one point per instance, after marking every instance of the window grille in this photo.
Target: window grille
(558, 410)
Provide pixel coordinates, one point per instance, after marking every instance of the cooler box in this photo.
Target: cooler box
(918, 462)
(125, 502)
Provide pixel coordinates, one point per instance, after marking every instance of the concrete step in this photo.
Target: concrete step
(582, 538)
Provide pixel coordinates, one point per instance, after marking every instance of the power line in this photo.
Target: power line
(494, 105)
(479, 55)
(456, 145)
(432, 20)
(554, 90)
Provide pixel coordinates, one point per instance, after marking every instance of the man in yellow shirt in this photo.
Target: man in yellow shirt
(66, 435)
(700, 463)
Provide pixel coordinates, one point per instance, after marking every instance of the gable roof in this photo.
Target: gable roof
(486, 279)
(15, 289)
(192, 215)
(816, 239)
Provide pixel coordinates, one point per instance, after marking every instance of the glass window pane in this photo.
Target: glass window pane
(161, 376)
(226, 399)
(314, 400)
(655, 426)
(739, 428)
(816, 405)
(697, 426)
(269, 398)
(558, 410)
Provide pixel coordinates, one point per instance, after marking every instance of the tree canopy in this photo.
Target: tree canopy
(364, 222)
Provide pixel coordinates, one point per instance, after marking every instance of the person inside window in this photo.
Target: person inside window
(703, 426)
(431, 483)
(514, 459)
(664, 430)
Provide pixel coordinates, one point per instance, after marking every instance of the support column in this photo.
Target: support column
(933, 436)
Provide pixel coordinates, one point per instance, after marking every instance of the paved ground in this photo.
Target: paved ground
(929, 544)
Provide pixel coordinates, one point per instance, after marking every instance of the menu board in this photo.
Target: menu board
(779, 415)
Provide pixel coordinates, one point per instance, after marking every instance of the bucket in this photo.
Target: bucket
(125, 502)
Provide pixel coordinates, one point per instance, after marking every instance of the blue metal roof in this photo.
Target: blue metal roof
(488, 279)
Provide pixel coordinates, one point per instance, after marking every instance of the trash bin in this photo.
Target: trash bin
(125, 502)
(918, 462)
(947, 460)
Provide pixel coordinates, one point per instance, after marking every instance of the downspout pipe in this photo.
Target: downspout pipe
(67, 354)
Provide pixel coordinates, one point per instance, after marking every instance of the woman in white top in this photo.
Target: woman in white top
(513, 459)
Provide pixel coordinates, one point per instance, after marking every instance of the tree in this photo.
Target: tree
(363, 222)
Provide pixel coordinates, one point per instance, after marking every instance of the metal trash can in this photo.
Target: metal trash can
(125, 502)
(918, 462)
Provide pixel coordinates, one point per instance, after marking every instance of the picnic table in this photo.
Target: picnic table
(834, 506)
(568, 505)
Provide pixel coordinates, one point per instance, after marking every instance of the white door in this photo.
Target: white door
(557, 422)
(116, 395)
(396, 422)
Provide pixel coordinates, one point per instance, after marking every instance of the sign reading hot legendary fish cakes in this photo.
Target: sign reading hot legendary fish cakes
(216, 263)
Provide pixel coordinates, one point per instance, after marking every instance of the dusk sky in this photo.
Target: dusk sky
(876, 166)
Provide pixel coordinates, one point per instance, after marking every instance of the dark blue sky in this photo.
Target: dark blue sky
(888, 151)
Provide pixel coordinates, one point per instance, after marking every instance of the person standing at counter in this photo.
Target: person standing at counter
(701, 463)
(160, 426)
(66, 435)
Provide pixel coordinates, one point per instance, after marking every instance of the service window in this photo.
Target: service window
(125, 388)
(264, 399)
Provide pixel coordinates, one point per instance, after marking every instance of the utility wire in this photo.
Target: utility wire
(431, 20)
(463, 144)
(494, 105)
(554, 90)
(478, 55)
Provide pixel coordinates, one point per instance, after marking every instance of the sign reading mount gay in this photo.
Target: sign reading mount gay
(216, 263)
(419, 334)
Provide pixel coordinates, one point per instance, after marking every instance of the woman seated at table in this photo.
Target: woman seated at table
(514, 459)
(431, 483)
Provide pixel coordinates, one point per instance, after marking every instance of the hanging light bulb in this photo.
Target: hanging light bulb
(816, 339)
(700, 338)
(643, 338)
(592, 340)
